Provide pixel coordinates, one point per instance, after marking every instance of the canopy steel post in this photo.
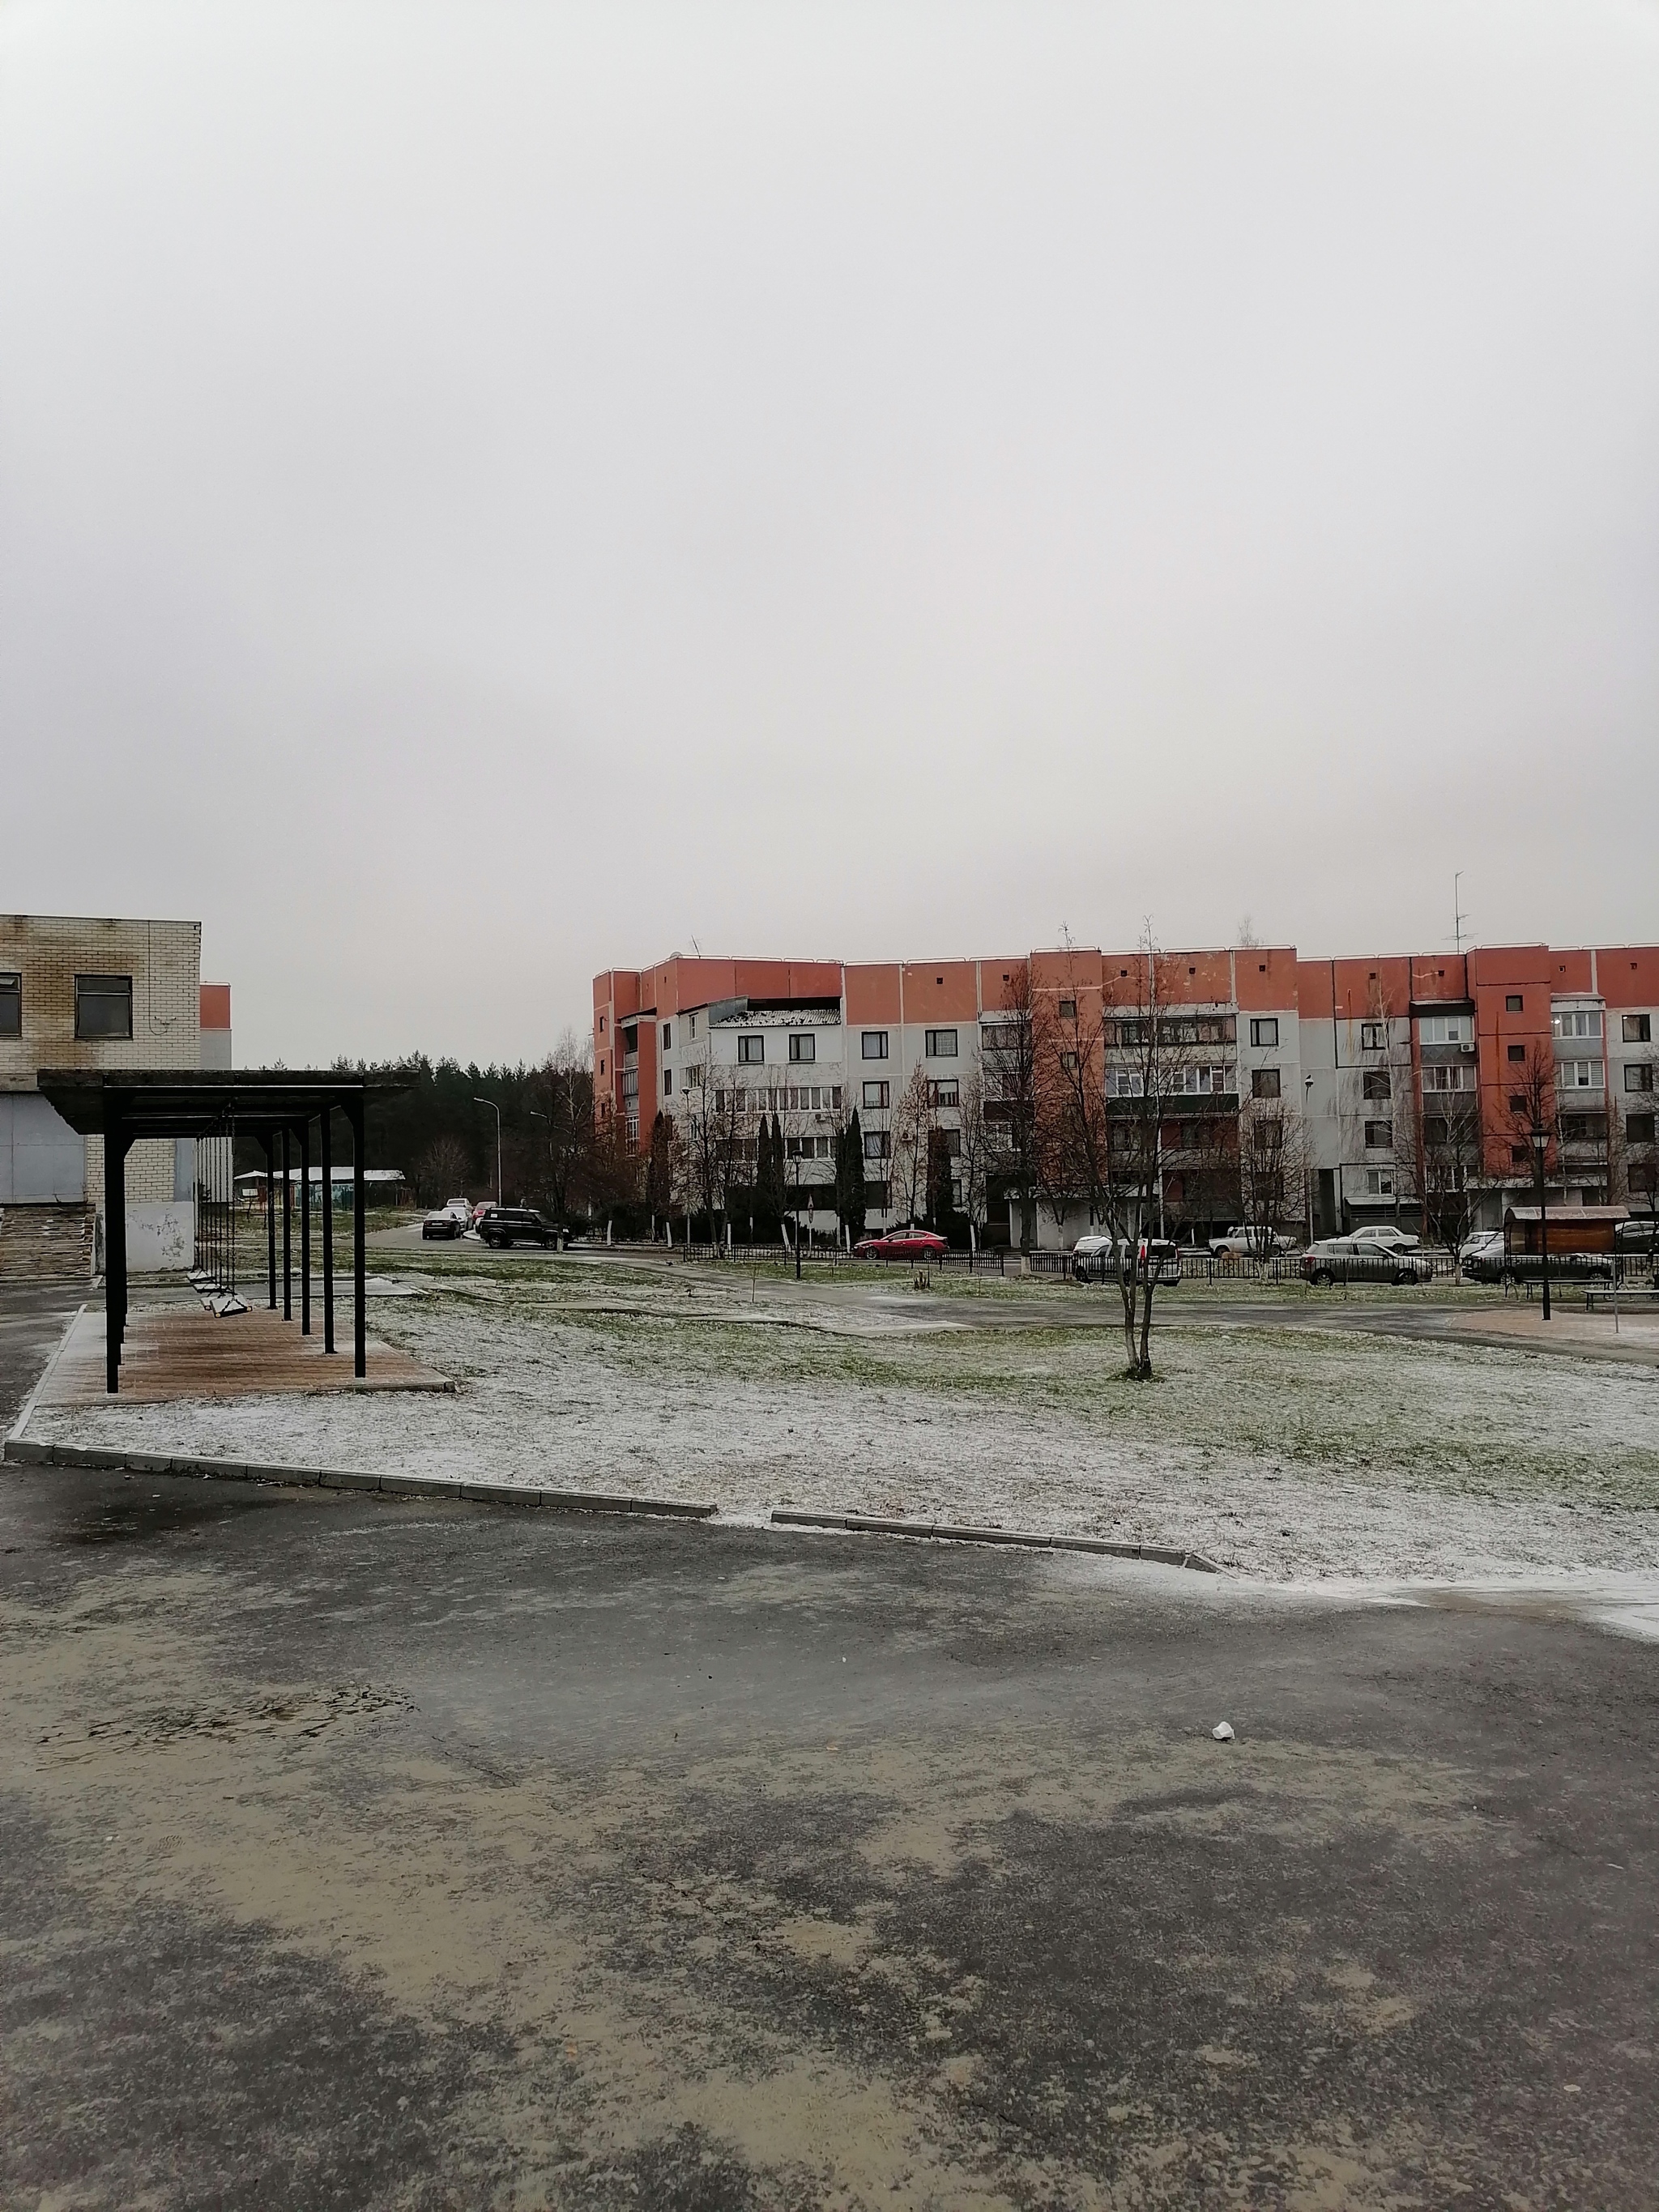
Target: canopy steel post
(328, 1228)
(270, 1215)
(305, 1227)
(359, 1319)
(287, 1272)
(115, 1247)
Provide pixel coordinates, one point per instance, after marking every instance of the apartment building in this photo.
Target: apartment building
(1398, 1068)
(82, 991)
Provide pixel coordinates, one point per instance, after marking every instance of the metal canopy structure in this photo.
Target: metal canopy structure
(275, 1105)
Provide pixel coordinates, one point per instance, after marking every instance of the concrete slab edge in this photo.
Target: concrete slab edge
(948, 1532)
(38, 1451)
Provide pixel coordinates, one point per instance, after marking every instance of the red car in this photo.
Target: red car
(900, 1244)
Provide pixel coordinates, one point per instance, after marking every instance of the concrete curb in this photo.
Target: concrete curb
(22, 1423)
(946, 1532)
(31, 1451)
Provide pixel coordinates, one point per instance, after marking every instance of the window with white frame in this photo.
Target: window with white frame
(1265, 1031)
(876, 1097)
(1446, 1028)
(803, 1046)
(752, 1051)
(1379, 1182)
(1454, 1075)
(946, 1092)
(941, 1044)
(1192, 1083)
(1578, 1075)
(875, 1144)
(1126, 1083)
(1577, 1021)
(874, 1046)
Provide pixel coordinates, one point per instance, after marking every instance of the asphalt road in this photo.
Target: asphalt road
(355, 1852)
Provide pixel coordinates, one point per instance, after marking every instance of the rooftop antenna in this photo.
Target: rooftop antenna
(1458, 915)
(697, 948)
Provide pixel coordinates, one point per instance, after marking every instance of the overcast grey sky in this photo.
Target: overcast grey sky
(489, 492)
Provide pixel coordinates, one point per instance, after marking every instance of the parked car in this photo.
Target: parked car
(444, 1223)
(900, 1244)
(1640, 1234)
(1385, 1234)
(501, 1225)
(1249, 1243)
(1351, 1260)
(1095, 1260)
(1501, 1267)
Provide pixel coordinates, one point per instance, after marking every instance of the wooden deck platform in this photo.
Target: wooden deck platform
(181, 1352)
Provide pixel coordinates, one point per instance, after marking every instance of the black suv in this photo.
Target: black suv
(518, 1224)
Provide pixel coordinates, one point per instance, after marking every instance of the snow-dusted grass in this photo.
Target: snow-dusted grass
(1286, 1452)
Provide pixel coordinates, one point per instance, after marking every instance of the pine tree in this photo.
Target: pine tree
(849, 1179)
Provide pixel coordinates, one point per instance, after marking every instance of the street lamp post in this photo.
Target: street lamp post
(1540, 1137)
(1307, 1148)
(496, 1110)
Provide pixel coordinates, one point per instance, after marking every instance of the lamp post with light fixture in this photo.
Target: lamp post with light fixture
(1540, 1137)
(496, 1110)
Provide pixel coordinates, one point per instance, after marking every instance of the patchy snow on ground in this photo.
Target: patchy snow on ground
(1284, 1452)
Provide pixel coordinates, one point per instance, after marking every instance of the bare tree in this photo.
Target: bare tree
(441, 1171)
(913, 1120)
(1009, 1056)
(1272, 1168)
(973, 1158)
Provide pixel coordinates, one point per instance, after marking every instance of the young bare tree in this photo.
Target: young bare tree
(1441, 1130)
(1273, 1169)
(1008, 1052)
(913, 1120)
(1153, 1057)
(973, 1157)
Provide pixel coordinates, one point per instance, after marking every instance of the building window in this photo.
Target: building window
(1518, 1054)
(630, 1043)
(875, 1144)
(1373, 1036)
(1444, 1029)
(875, 1044)
(1578, 1022)
(1379, 1136)
(1638, 1029)
(876, 1095)
(1520, 1156)
(668, 1036)
(103, 1006)
(1638, 1129)
(1518, 1106)
(1068, 1063)
(1443, 1078)
(668, 1083)
(1379, 1182)
(1377, 1083)
(1514, 1004)
(941, 1044)
(1068, 1010)
(752, 1051)
(11, 1005)
(690, 1025)
(1264, 1082)
(1264, 1032)
(803, 1046)
(1639, 1077)
(943, 1093)
(1578, 1075)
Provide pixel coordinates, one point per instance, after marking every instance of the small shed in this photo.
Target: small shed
(1567, 1228)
